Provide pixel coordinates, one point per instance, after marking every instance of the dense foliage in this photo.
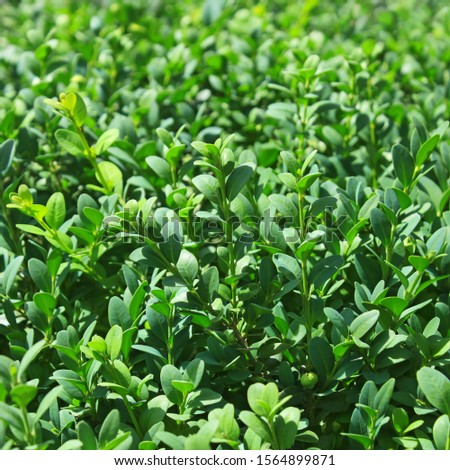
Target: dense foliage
(224, 224)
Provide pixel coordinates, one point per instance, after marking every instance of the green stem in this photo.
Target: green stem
(92, 159)
(11, 227)
(409, 294)
(28, 433)
(173, 171)
(127, 403)
(170, 321)
(133, 417)
(306, 300)
(275, 444)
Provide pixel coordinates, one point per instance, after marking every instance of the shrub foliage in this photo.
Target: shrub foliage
(224, 224)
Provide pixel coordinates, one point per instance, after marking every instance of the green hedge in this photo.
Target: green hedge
(224, 224)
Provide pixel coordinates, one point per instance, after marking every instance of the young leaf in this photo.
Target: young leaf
(114, 342)
(74, 103)
(165, 136)
(23, 394)
(45, 302)
(110, 174)
(56, 210)
(106, 140)
(425, 150)
(70, 141)
(306, 182)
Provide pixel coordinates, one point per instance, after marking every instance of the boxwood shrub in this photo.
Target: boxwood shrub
(224, 224)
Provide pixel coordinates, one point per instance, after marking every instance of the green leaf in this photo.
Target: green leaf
(284, 205)
(367, 207)
(306, 182)
(30, 356)
(9, 276)
(187, 266)
(194, 372)
(256, 424)
(118, 313)
(403, 164)
(74, 103)
(288, 179)
(6, 155)
(444, 200)
(383, 396)
(22, 394)
(287, 265)
(40, 274)
(48, 401)
(86, 436)
(169, 373)
(365, 441)
(400, 419)
(209, 284)
(286, 427)
(437, 240)
(165, 136)
(363, 323)
(238, 179)
(45, 302)
(160, 167)
(174, 154)
(419, 262)
(31, 229)
(207, 185)
(12, 416)
(441, 433)
(313, 154)
(121, 442)
(321, 355)
(56, 210)
(381, 226)
(114, 342)
(109, 174)
(395, 304)
(425, 149)
(123, 373)
(106, 140)
(136, 301)
(94, 215)
(171, 440)
(184, 386)
(70, 141)
(436, 388)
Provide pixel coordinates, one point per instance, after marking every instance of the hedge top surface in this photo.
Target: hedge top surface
(224, 224)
